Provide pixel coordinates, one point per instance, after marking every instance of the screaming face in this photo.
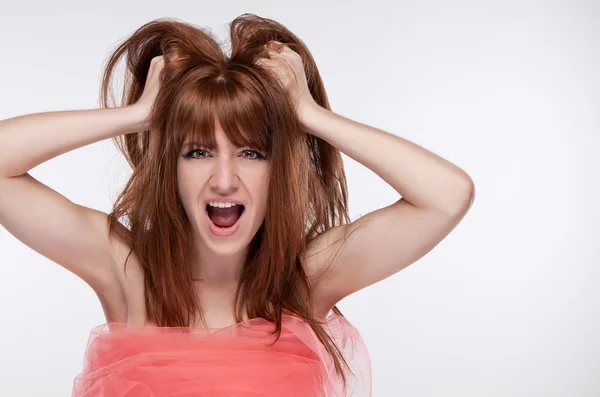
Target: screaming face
(224, 192)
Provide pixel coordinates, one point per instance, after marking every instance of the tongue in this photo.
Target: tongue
(224, 217)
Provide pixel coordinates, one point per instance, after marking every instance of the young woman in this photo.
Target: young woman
(236, 244)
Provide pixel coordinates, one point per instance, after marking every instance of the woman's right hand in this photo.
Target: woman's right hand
(151, 87)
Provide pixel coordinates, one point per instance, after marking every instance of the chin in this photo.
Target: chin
(226, 248)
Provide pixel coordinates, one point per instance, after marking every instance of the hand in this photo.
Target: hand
(289, 69)
(151, 87)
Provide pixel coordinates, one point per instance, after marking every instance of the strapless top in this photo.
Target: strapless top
(125, 360)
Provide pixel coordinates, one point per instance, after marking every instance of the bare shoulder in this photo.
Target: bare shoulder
(126, 303)
(112, 292)
(317, 260)
(69, 234)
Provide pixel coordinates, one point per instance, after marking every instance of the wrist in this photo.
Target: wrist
(308, 110)
(137, 117)
(310, 116)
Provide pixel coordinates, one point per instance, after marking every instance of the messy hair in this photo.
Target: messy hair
(307, 191)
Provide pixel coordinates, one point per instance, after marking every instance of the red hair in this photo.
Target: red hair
(307, 191)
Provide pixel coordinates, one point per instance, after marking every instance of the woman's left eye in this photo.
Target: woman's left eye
(253, 153)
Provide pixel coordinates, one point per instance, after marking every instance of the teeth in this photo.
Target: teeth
(221, 204)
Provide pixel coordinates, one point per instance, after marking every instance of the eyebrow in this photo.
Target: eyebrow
(193, 143)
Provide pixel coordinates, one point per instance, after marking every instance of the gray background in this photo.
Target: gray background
(507, 305)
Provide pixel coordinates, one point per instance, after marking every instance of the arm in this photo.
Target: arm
(27, 141)
(71, 235)
(421, 177)
(436, 194)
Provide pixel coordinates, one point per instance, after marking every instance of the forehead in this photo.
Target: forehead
(220, 141)
(213, 135)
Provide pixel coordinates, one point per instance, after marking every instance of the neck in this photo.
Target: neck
(219, 271)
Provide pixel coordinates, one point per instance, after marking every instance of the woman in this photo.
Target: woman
(237, 244)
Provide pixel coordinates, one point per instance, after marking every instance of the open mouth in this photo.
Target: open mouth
(225, 218)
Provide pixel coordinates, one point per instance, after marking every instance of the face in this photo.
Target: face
(229, 173)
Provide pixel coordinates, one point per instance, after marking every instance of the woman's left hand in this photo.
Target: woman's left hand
(289, 69)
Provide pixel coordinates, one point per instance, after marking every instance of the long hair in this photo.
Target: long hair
(307, 191)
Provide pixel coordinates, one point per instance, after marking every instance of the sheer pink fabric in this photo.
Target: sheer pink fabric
(124, 360)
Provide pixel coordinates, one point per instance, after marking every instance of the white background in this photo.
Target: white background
(507, 305)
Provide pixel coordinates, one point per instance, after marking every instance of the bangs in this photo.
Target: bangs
(231, 98)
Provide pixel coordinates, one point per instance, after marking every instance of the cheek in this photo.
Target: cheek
(263, 193)
(189, 177)
(189, 188)
(262, 184)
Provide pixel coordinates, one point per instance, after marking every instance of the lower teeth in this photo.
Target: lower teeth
(227, 227)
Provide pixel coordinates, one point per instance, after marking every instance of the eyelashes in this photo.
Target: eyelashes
(256, 155)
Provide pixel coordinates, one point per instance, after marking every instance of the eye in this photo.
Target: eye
(253, 155)
(202, 152)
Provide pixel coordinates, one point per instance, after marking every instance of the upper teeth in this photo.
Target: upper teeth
(221, 204)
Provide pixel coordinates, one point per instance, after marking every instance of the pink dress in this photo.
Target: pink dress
(124, 360)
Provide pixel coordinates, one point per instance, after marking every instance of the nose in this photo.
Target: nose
(224, 179)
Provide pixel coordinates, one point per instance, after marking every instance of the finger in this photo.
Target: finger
(275, 46)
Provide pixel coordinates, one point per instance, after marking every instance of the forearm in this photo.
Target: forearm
(420, 176)
(29, 140)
